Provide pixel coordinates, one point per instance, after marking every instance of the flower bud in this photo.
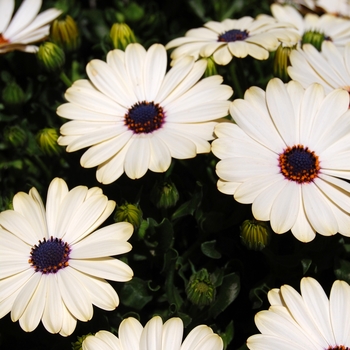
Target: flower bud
(313, 37)
(211, 67)
(200, 290)
(47, 141)
(15, 136)
(13, 94)
(65, 33)
(129, 213)
(51, 56)
(164, 194)
(121, 36)
(255, 235)
(281, 62)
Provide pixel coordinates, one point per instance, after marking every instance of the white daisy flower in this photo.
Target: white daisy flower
(318, 28)
(286, 154)
(335, 7)
(330, 67)
(154, 336)
(233, 38)
(25, 27)
(53, 262)
(135, 116)
(304, 321)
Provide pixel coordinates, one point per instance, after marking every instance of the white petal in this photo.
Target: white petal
(151, 337)
(129, 332)
(172, 334)
(74, 294)
(108, 268)
(6, 10)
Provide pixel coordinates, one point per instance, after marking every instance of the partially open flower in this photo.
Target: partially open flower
(25, 27)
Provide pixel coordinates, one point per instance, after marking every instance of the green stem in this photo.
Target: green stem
(236, 84)
(65, 79)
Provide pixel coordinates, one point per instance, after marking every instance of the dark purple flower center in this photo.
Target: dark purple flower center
(233, 35)
(299, 164)
(144, 117)
(49, 256)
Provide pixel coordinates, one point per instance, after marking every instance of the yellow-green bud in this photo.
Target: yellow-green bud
(281, 62)
(200, 290)
(78, 344)
(47, 141)
(13, 94)
(129, 213)
(164, 194)
(255, 235)
(121, 36)
(211, 67)
(313, 37)
(51, 56)
(65, 33)
(15, 135)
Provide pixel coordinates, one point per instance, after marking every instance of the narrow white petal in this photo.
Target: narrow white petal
(197, 334)
(68, 324)
(24, 296)
(339, 304)
(74, 294)
(271, 342)
(53, 312)
(6, 10)
(34, 310)
(160, 159)
(172, 334)
(151, 337)
(135, 56)
(23, 17)
(129, 333)
(154, 70)
(138, 156)
(262, 204)
(318, 211)
(108, 268)
(282, 111)
(57, 191)
(106, 81)
(317, 303)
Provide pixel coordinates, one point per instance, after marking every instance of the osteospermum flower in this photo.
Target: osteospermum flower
(286, 154)
(25, 27)
(304, 321)
(233, 38)
(154, 336)
(330, 68)
(54, 263)
(313, 28)
(137, 117)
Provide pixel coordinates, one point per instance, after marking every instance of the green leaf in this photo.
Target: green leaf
(227, 336)
(135, 293)
(208, 249)
(342, 270)
(227, 294)
(189, 207)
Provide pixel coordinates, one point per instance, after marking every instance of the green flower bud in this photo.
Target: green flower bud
(51, 56)
(200, 290)
(129, 213)
(281, 62)
(13, 94)
(78, 344)
(15, 136)
(121, 36)
(315, 38)
(211, 67)
(65, 33)
(164, 194)
(255, 235)
(47, 141)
